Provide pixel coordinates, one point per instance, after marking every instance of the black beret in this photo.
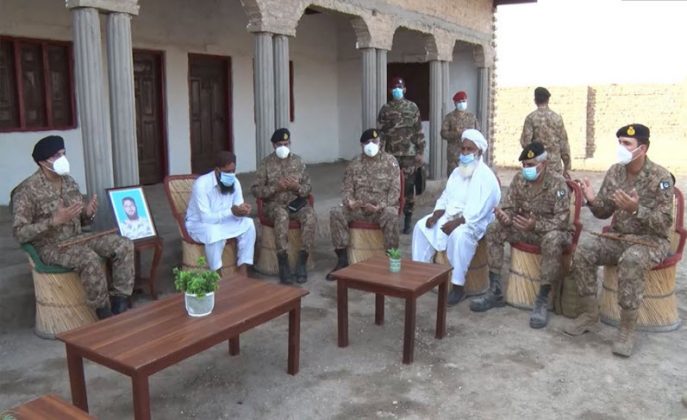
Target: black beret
(636, 131)
(46, 147)
(531, 151)
(281, 134)
(368, 134)
(542, 93)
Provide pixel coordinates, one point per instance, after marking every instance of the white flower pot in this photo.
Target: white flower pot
(196, 306)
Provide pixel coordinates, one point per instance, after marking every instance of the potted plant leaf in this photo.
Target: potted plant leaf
(394, 259)
(199, 286)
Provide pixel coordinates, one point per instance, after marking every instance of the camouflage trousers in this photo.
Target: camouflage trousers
(633, 261)
(408, 167)
(452, 155)
(86, 259)
(340, 217)
(551, 244)
(280, 216)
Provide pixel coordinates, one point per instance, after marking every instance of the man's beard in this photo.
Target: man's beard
(224, 189)
(466, 171)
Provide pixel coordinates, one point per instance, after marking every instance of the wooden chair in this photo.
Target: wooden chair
(658, 310)
(178, 189)
(525, 268)
(366, 238)
(267, 252)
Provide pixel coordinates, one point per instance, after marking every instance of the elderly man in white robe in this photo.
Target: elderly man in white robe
(217, 212)
(461, 215)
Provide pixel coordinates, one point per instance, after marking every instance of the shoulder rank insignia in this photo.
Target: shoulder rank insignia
(664, 185)
(560, 193)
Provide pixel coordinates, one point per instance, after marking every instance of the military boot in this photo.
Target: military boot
(588, 320)
(625, 341)
(540, 314)
(492, 299)
(340, 263)
(406, 222)
(284, 271)
(302, 270)
(119, 304)
(104, 312)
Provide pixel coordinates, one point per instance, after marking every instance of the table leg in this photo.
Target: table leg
(141, 397)
(153, 269)
(234, 346)
(342, 311)
(77, 381)
(379, 309)
(294, 339)
(441, 309)
(409, 331)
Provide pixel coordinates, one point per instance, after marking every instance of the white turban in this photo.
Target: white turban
(476, 137)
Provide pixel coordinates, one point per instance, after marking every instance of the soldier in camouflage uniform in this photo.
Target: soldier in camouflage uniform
(455, 122)
(546, 127)
(371, 192)
(281, 179)
(401, 131)
(48, 208)
(536, 211)
(638, 193)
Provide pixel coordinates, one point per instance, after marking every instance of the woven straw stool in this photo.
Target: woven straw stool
(477, 277)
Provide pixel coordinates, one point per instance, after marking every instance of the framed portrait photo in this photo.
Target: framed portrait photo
(131, 212)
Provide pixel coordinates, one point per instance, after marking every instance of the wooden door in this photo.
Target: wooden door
(416, 76)
(149, 128)
(209, 108)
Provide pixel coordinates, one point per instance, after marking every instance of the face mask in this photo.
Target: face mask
(461, 106)
(282, 152)
(60, 166)
(227, 178)
(623, 155)
(530, 174)
(397, 93)
(371, 149)
(467, 159)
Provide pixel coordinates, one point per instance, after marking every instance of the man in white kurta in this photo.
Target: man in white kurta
(461, 215)
(217, 212)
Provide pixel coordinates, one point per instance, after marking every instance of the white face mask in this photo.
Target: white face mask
(623, 155)
(461, 106)
(371, 149)
(60, 166)
(282, 152)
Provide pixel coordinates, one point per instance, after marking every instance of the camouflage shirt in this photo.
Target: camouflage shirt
(272, 170)
(548, 201)
(400, 128)
(375, 180)
(35, 200)
(455, 122)
(546, 127)
(654, 185)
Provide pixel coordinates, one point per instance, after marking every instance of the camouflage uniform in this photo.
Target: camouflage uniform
(34, 202)
(271, 171)
(651, 224)
(373, 180)
(549, 202)
(401, 132)
(546, 127)
(455, 122)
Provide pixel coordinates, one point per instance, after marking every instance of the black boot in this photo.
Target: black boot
(302, 270)
(457, 294)
(284, 271)
(119, 304)
(492, 299)
(406, 222)
(103, 312)
(340, 263)
(540, 315)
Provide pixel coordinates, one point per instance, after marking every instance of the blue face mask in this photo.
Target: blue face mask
(397, 93)
(467, 159)
(530, 174)
(227, 178)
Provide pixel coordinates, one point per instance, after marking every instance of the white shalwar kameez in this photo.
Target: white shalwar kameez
(474, 198)
(209, 220)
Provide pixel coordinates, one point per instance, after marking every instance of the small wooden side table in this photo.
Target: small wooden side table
(46, 407)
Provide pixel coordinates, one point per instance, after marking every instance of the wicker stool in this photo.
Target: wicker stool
(190, 252)
(477, 277)
(267, 252)
(366, 241)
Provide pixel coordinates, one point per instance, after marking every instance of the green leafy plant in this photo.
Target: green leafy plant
(198, 282)
(394, 253)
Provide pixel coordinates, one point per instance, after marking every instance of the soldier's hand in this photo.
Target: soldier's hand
(92, 206)
(64, 214)
(283, 184)
(292, 183)
(525, 224)
(370, 208)
(351, 204)
(502, 217)
(625, 201)
(587, 189)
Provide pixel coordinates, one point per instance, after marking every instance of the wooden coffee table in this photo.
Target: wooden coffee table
(414, 279)
(145, 340)
(45, 407)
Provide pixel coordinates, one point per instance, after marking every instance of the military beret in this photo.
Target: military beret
(460, 96)
(369, 134)
(531, 151)
(46, 147)
(281, 134)
(542, 93)
(397, 82)
(636, 131)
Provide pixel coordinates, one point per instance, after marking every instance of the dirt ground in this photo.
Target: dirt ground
(490, 365)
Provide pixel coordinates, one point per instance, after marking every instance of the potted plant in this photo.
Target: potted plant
(394, 259)
(199, 286)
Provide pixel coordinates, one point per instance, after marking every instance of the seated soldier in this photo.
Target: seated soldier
(639, 194)
(536, 211)
(282, 182)
(48, 208)
(216, 212)
(462, 213)
(371, 192)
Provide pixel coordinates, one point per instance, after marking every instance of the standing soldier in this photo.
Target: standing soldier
(371, 191)
(546, 127)
(535, 211)
(284, 185)
(455, 122)
(400, 129)
(638, 193)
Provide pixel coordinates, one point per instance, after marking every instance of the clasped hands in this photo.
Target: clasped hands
(64, 214)
(366, 207)
(519, 221)
(240, 210)
(288, 183)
